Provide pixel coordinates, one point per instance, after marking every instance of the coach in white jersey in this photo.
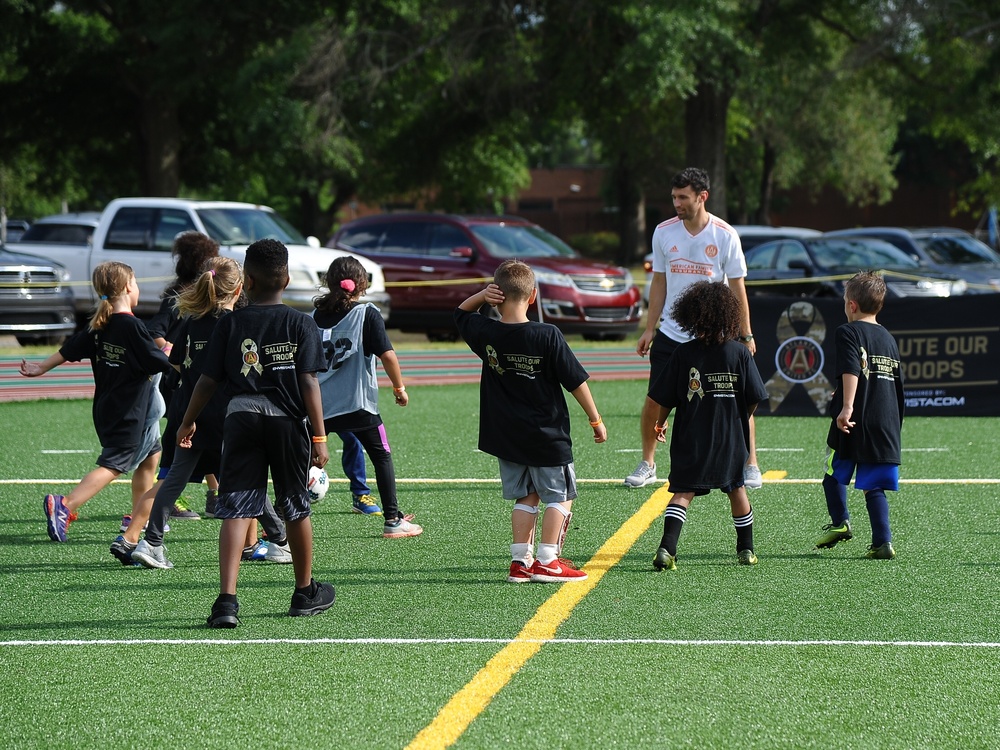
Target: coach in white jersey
(694, 246)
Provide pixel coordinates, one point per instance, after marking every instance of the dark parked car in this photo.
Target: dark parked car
(14, 228)
(750, 235)
(432, 262)
(818, 268)
(63, 229)
(36, 304)
(941, 249)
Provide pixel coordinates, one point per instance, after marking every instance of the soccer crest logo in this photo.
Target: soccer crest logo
(251, 360)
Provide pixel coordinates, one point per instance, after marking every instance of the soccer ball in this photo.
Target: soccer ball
(318, 483)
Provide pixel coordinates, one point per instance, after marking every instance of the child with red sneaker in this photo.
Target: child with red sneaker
(524, 420)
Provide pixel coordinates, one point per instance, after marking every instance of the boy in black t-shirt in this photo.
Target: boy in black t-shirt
(867, 412)
(523, 418)
(714, 385)
(268, 355)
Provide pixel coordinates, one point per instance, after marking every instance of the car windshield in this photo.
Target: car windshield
(867, 253)
(241, 226)
(520, 241)
(956, 249)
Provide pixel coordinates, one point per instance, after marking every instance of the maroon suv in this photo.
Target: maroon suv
(432, 262)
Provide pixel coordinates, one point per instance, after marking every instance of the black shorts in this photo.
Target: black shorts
(252, 443)
(660, 352)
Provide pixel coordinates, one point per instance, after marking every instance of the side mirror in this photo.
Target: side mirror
(461, 252)
(313, 241)
(800, 265)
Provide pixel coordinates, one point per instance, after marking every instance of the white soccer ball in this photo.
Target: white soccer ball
(318, 484)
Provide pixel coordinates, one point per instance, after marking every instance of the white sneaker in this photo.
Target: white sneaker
(644, 474)
(151, 557)
(752, 478)
(278, 553)
(401, 529)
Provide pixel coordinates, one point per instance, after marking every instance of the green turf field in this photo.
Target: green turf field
(806, 649)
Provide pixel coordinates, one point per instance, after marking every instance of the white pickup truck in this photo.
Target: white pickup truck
(141, 232)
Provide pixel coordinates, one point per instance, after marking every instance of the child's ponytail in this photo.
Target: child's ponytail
(110, 280)
(219, 281)
(347, 280)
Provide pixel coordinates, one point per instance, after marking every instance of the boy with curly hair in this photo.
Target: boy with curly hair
(714, 386)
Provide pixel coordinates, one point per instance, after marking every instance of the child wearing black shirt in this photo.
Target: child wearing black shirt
(867, 417)
(523, 419)
(267, 354)
(714, 385)
(124, 360)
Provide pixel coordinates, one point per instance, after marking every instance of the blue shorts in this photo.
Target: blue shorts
(869, 476)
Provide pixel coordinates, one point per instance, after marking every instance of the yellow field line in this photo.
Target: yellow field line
(463, 708)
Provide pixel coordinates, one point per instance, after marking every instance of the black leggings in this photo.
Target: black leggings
(376, 445)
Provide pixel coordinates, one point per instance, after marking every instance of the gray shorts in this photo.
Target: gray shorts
(554, 484)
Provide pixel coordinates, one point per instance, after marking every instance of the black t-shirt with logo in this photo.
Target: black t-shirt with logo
(523, 416)
(123, 357)
(869, 351)
(262, 349)
(192, 336)
(711, 389)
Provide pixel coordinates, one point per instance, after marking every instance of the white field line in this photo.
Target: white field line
(496, 481)
(498, 641)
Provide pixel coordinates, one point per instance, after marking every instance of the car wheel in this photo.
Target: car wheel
(53, 340)
(441, 334)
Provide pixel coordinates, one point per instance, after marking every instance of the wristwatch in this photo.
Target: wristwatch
(747, 339)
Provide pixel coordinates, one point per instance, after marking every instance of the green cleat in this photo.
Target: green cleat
(664, 560)
(746, 557)
(882, 552)
(834, 534)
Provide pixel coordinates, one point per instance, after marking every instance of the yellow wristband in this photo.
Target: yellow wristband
(319, 438)
(598, 423)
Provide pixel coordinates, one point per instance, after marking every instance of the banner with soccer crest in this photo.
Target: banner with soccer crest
(949, 352)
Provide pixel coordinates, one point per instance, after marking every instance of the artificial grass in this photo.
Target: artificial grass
(251, 683)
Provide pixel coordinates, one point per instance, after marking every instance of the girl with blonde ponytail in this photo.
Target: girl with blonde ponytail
(125, 361)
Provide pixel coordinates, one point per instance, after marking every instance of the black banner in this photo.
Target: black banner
(949, 349)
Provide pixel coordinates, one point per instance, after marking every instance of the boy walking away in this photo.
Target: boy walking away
(714, 386)
(523, 418)
(268, 355)
(867, 412)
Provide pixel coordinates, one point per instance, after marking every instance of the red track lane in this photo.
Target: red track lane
(420, 367)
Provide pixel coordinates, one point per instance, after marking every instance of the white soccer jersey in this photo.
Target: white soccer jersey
(714, 254)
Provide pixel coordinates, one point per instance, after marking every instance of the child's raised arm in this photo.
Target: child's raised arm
(34, 369)
(491, 295)
(586, 400)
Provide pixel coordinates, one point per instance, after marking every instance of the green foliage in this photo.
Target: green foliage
(600, 245)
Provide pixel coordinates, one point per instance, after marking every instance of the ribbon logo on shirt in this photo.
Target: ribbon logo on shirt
(493, 359)
(251, 361)
(799, 359)
(694, 384)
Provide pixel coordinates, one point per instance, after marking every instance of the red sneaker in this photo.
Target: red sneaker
(557, 571)
(519, 572)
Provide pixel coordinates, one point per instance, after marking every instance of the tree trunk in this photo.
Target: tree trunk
(766, 183)
(631, 215)
(705, 133)
(160, 141)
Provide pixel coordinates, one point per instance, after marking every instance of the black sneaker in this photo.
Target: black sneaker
(211, 496)
(322, 598)
(123, 551)
(224, 615)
